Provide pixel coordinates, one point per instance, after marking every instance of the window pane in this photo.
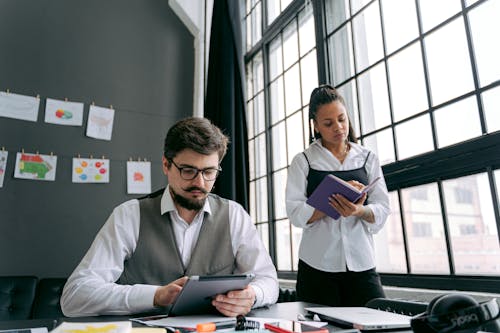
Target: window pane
(340, 55)
(485, 27)
(296, 238)
(434, 12)
(260, 155)
(290, 45)
(292, 90)
(368, 37)
(491, 101)
(249, 72)
(275, 58)
(284, 4)
(374, 101)
(381, 143)
(251, 159)
(400, 23)
(424, 226)
(253, 211)
(408, 88)
(277, 100)
(279, 179)
(389, 245)
(306, 124)
(471, 220)
(258, 74)
(250, 119)
(457, 122)
(294, 135)
(307, 36)
(261, 189)
(256, 24)
(309, 75)
(273, 10)
(259, 113)
(263, 230)
(279, 146)
(357, 5)
(406, 133)
(249, 32)
(448, 62)
(337, 12)
(283, 245)
(348, 91)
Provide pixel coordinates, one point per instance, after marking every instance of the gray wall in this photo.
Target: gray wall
(133, 54)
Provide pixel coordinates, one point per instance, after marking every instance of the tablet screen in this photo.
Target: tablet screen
(196, 295)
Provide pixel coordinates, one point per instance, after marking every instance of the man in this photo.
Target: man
(140, 258)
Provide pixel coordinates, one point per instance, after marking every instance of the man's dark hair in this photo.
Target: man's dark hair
(325, 94)
(195, 133)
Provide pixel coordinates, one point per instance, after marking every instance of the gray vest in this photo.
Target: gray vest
(156, 259)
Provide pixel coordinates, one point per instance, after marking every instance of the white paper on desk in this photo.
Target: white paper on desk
(314, 323)
(192, 321)
(26, 330)
(182, 321)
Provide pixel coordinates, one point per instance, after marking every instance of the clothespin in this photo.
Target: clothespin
(38, 96)
(91, 157)
(111, 106)
(65, 99)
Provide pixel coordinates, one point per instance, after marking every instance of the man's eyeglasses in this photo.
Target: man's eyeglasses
(190, 173)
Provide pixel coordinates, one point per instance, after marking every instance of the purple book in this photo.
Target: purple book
(334, 185)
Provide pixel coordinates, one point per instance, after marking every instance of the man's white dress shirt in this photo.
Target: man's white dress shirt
(91, 289)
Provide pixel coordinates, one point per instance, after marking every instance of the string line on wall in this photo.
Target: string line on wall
(120, 109)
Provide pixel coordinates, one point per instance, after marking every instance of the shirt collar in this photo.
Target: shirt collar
(167, 203)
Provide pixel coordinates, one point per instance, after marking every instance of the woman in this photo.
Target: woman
(336, 257)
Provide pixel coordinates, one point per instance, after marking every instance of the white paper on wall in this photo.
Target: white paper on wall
(90, 170)
(19, 106)
(63, 113)
(3, 165)
(138, 177)
(100, 122)
(35, 166)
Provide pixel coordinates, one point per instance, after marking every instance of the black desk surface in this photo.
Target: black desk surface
(287, 310)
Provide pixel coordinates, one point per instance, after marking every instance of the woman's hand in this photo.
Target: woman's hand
(347, 208)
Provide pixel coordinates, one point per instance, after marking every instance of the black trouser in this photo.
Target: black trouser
(337, 289)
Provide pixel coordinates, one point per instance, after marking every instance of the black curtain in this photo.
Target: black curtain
(224, 102)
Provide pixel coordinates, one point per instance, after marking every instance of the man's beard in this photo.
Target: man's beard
(189, 204)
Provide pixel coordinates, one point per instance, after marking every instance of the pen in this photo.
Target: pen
(210, 327)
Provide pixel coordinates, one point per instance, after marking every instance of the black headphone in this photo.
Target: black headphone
(457, 313)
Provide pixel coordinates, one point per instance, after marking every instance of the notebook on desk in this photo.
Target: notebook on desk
(362, 318)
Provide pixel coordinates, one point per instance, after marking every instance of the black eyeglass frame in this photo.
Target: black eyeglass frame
(183, 174)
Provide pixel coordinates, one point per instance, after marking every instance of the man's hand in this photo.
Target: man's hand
(167, 294)
(235, 302)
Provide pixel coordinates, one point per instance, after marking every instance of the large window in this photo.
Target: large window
(421, 79)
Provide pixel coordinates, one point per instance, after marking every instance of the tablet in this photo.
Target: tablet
(196, 295)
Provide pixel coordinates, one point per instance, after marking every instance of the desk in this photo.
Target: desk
(288, 310)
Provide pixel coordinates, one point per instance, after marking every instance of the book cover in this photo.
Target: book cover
(334, 185)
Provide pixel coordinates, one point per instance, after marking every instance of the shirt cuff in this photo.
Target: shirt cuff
(259, 296)
(141, 298)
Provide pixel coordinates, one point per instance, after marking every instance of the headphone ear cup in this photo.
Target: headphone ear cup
(452, 302)
(432, 302)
